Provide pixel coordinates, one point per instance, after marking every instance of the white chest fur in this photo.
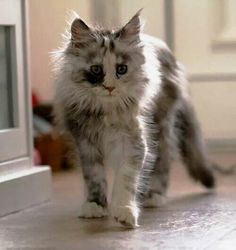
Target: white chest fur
(113, 146)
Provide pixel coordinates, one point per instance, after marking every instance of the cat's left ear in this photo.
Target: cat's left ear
(130, 32)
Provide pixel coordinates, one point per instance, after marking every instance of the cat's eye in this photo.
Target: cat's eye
(96, 69)
(121, 69)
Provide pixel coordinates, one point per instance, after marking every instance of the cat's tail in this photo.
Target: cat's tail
(191, 145)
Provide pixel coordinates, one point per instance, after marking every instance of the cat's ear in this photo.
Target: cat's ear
(130, 32)
(80, 32)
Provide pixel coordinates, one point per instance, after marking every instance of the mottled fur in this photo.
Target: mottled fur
(131, 127)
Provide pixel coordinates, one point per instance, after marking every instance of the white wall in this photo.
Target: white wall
(152, 14)
(47, 21)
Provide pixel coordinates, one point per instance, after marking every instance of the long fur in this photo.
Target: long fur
(135, 127)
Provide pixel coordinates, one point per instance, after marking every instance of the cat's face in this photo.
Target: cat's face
(106, 66)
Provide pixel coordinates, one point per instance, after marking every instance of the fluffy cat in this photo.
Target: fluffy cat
(121, 96)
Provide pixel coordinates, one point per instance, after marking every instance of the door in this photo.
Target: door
(13, 98)
(205, 41)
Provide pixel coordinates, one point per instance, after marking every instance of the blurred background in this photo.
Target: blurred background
(201, 34)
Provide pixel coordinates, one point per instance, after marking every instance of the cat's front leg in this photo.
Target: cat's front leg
(95, 205)
(124, 207)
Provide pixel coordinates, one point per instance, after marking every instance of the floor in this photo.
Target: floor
(193, 218)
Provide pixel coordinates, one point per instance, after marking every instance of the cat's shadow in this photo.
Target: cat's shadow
(185, 202)
(188, 201)
(99, 226)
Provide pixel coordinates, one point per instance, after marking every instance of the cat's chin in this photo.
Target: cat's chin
(109, 97)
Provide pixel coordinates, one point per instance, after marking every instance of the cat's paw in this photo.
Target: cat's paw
(92, 210)
(155, 200)
(126, 215)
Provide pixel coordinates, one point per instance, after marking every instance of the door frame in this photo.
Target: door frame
(16, 143)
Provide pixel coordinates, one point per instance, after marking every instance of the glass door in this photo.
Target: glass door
(8, 84)
(13, 97)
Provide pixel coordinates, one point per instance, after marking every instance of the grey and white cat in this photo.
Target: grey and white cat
(121, 96)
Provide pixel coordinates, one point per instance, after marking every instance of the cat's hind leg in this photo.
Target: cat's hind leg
(155, 193)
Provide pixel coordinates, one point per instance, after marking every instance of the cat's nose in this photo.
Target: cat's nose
(110, 89)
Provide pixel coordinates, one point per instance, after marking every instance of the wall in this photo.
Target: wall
(152, 15)
(47, 21)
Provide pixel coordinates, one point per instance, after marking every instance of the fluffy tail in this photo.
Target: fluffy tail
(192, 146)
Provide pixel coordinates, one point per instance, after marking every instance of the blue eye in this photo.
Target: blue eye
(96, 69)
(121, 69)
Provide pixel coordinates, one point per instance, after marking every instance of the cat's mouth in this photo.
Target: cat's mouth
(109, 95)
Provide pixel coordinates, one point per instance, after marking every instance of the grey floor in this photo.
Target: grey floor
(192, 219)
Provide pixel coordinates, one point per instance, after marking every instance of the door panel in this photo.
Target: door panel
(205, 42)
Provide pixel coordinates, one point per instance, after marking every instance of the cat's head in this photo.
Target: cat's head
(106, 66)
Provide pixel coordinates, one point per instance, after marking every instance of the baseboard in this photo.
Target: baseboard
(24, 189)
(221, 144)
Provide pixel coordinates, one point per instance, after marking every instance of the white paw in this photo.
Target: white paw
(92, 210)
(126, 215)
(156, 200)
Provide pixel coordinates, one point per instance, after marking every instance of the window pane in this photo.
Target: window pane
(8, 113)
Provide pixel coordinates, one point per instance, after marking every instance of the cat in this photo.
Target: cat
(121, 96)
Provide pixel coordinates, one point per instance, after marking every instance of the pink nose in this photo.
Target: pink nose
(110, 89)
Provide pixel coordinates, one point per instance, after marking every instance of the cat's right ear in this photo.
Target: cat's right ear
(131, 31)
(80, 32)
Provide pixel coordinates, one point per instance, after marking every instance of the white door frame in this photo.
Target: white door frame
(21, 184)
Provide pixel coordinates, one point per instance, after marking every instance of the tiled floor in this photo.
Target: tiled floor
(193, 218)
